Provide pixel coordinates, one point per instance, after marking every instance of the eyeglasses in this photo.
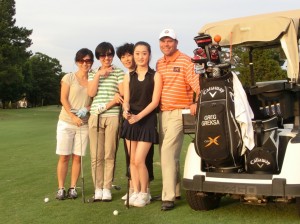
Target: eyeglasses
(109, 55)
(87, 61)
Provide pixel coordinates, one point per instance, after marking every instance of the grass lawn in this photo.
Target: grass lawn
(28, 175)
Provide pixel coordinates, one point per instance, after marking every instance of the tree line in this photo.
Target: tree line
(267, 64)
(37, 77)
(22, 74)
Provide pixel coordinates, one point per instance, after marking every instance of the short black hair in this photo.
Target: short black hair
(104, 48)
(125, 48)
(82, 53)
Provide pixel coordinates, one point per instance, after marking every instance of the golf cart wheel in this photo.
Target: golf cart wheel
(202, 201)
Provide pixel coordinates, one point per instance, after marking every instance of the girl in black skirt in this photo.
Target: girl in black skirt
(142, 91)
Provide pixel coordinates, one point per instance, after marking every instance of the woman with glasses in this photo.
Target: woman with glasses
(106, 87)
(72, 128)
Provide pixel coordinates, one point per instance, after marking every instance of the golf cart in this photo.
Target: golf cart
(275, 124)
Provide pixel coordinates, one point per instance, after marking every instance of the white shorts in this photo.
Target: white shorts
(71, 139)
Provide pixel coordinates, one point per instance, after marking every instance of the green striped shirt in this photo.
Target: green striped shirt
(107, 88)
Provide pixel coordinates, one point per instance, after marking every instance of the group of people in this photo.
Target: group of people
(150, 103)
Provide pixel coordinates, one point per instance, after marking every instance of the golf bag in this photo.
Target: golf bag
(263, 158)
(218, 137)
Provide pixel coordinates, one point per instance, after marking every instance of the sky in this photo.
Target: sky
(62, 27)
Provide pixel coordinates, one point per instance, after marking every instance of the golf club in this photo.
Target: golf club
(81, 165)
(96, 165)
(129, 175)
(74, 111)
(117, 187)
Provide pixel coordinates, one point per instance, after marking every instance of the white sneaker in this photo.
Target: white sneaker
(132, 198)
(124, 198)
(130, 193)
(142, 200)
(98, 194)
(106, 195)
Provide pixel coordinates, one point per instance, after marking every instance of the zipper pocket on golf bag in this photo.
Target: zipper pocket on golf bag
(211, 133)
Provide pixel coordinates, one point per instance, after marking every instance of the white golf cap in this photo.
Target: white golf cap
(168, 33)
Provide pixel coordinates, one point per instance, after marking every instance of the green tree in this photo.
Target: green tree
(42, 79)
(266, 65)
(13, 54)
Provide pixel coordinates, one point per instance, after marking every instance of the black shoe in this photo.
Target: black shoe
(178, 198)
(156, 198)
(167, 205)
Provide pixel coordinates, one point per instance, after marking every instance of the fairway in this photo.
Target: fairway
(28, 175)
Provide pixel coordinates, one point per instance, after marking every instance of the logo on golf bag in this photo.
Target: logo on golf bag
(212, 88)
(212, 141)
(212, 94)
(210, 119)
(260, 162)
(261, 159)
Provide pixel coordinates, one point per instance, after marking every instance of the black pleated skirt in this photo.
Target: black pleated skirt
(145, 130)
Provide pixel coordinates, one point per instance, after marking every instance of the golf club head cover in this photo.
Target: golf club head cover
(82, 112)
(203, 40)
(214, 53)
(199, 56)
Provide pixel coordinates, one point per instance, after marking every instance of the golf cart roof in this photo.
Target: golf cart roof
(278, 28)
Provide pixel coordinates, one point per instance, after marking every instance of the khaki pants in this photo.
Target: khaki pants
(171, 139)
(104, 155)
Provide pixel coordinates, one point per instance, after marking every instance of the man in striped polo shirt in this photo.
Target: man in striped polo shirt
(179, 84)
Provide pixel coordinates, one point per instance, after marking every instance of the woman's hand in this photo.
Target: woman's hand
(134, 119)
(126, 114)
(77, 121)
(104, 72)
(118, 98)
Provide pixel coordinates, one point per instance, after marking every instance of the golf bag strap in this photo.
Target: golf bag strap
(259, 129)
